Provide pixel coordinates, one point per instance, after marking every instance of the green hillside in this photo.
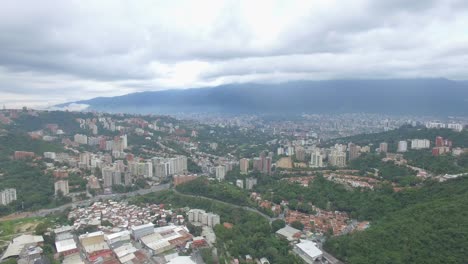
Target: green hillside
(432, 230)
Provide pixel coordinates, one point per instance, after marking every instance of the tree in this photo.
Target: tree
(297, 225)
(194, 230)
(168, 218)
(106, 223)
(41, 229)
(277, 225)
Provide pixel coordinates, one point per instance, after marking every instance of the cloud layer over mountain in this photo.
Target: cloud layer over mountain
(58, 51)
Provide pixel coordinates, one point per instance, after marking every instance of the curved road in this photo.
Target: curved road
(157, 188)
(270, 219)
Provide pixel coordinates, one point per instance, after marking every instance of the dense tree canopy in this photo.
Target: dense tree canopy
(433, 229)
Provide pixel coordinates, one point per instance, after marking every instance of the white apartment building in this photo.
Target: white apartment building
(148, 169)
(201, 216)
(7, 196)
(455, 127)
(402, 146)
(420, 144)
(220, 172)
(316, 159)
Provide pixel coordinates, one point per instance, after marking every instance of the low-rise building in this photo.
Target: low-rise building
(289, 233)
(308, 251)
(19, 243)
(142, 230)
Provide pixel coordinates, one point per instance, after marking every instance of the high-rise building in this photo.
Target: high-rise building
(116, 178)
(7, 196)
(85, 159)
(244, 165)
(62, 186)
(220, 172)
(160, 171)
(257, 164)
(267, 165)
(133, 168)
(148, 170)
(337, 158)
(383, 147)
(123, 139)
(439, 142)
(316, 159)
(353, 151)
(289, 150)
(177, 165)
(280, 151)
(107, 175)
(402, 146)
(127, 179)
(300, 154)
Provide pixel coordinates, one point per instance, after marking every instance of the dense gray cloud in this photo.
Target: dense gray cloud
(57, 51)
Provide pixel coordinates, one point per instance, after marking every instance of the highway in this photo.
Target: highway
(44, 212)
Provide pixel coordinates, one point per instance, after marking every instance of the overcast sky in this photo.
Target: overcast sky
(60, 51)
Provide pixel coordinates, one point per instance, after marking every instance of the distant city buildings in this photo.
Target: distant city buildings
(454, 126)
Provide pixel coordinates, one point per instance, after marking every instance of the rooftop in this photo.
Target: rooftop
(309, 248)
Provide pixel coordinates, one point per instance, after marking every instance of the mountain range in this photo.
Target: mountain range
(392, 96)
